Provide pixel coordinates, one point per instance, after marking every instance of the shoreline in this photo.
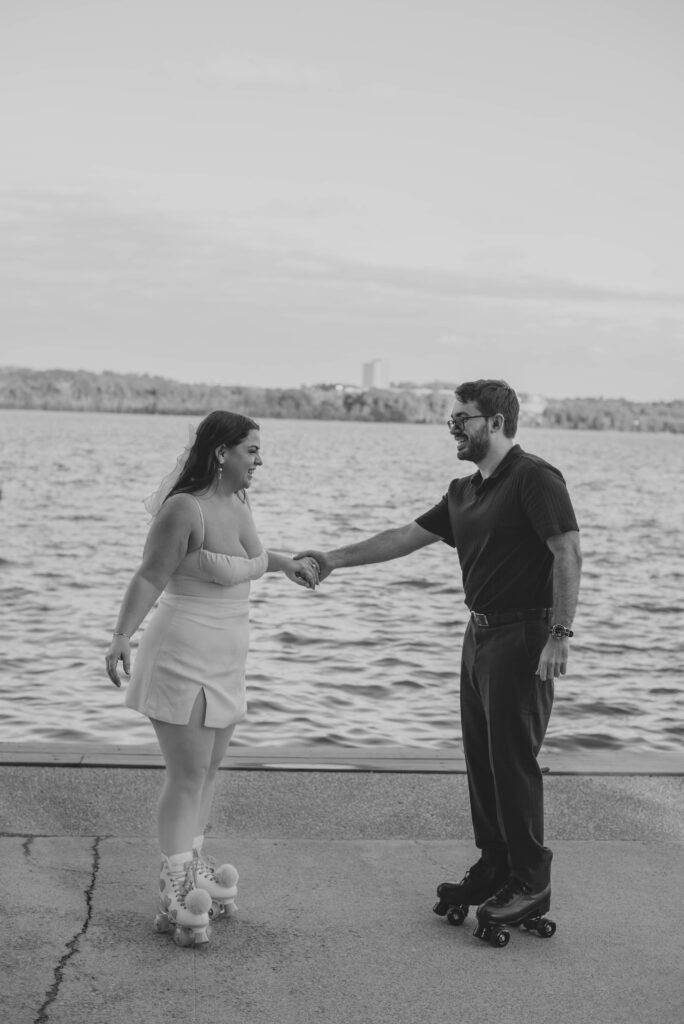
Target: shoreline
(326, 757)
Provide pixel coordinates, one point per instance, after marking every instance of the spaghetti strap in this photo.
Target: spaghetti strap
(201, 518)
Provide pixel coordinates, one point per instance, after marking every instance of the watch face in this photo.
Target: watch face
(559, 632)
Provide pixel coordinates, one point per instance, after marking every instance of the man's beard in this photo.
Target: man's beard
(476, 449)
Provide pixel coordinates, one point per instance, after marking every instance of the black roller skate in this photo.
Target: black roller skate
(515, 903)
(479, 883)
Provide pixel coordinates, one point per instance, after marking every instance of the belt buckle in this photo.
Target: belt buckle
(480, 619)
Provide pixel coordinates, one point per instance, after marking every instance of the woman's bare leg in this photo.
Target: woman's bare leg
(222, 738)
(188, 752)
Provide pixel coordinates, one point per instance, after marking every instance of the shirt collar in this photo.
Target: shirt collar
(509, 458)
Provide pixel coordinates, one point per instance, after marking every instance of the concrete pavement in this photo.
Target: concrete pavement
(338, 872)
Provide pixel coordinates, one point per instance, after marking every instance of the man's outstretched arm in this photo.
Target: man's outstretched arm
(382, 547)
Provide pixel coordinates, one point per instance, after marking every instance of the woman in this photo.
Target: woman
(201, 553)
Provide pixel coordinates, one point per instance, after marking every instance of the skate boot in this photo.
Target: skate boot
(183, 907)
(479, 883)
(516, 903)
(220, 883)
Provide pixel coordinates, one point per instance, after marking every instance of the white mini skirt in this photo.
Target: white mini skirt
(193, 644)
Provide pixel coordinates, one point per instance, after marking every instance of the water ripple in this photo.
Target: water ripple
(373, 656)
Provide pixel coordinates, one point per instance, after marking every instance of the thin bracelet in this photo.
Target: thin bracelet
(122, 634)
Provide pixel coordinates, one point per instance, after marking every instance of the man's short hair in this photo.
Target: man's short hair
(492, 397)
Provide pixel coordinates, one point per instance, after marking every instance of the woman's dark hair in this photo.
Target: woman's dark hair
(491, 397)
(219, 427)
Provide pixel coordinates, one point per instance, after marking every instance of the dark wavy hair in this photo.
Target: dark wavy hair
(491, 397)
(219, 427)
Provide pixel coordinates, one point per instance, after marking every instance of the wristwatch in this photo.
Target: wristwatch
(559, 632)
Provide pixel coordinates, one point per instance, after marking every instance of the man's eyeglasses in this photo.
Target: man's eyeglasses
(461, 420)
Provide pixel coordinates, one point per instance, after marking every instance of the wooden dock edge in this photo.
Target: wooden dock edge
(323, 757)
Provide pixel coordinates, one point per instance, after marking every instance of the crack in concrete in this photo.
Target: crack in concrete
(26, 845)
(73, 944)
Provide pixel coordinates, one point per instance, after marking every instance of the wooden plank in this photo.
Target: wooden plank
(323, 757)
(317, 758)
(619, 762)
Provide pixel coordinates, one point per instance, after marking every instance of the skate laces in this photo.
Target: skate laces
(511, 887)
(178, 880)
(206, 866)
(189, 879)
(476, 870)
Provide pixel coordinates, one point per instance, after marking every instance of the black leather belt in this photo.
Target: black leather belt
(504, 618)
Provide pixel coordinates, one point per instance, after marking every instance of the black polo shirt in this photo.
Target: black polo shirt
(499, 526)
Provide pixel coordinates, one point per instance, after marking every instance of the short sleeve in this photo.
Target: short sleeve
(437, 521)
(547, 503)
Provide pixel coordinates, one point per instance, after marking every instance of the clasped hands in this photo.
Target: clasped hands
(312, 567)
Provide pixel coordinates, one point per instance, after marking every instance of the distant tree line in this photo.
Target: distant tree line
(614, 414)
(113, 392)
(79, 390)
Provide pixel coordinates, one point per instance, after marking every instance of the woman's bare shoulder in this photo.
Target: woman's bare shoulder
(179, 509)
(181, 501)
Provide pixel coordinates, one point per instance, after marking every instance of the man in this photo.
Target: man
(513, 526)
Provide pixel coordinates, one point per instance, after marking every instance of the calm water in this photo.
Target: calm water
(370, 658)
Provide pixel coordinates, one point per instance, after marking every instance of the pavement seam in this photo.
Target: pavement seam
(73, 945)
(195, 1006)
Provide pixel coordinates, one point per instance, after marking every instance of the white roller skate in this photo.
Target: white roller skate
(220, 883)
(183, 906)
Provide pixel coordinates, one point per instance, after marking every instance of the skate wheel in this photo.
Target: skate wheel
(499, 938)
(546, 928)
(439, 908)
(457, 915)
(216, 911)
(183, 937)
(191, 936)
(162, 924)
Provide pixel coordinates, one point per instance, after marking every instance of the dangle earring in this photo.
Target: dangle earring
(220, 471)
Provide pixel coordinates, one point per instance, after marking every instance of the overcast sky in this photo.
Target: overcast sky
(273, 192)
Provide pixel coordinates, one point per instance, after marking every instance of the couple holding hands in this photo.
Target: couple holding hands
(518, 544)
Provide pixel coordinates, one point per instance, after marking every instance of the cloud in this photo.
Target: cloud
(140, 291)
(492, 287)
(52, 235)
(454, 341)
(255, 71)
(385, 92)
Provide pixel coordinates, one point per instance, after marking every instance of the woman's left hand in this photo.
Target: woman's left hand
(119, 650)
(303, 571)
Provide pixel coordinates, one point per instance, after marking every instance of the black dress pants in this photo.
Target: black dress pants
(505, 709)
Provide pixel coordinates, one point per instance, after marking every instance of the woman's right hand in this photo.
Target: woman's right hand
(119, 650)
(303, 572)
(321, 560)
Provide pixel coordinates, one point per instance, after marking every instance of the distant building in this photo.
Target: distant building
(376, 374)
(531, 409)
